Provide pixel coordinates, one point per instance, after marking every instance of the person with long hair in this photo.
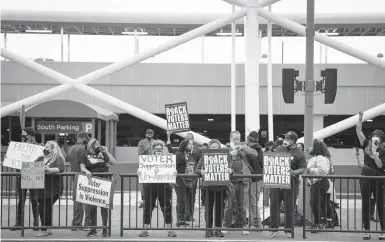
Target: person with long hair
(157, 191)
(53, 185)
(96, 159)
(215, 196)
(318, 165)
(374, 165)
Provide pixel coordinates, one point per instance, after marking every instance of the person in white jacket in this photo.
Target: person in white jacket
(318, 165)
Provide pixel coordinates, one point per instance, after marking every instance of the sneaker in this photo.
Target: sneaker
(225, 232)
(366, 237)
(144, 233)
(171, 234)
(87, 229)
(317, 228)
(92, 233)
(16, 227)
(381, 236)
(209, 234)
(105, 233)
(190, 219)
(288, 235)
(219, 234)
(42, 234)
(245, 232)
(272, 234)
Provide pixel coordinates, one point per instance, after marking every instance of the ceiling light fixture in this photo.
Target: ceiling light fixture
(38, 31)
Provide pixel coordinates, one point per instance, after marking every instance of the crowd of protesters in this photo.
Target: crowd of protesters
(227, 206)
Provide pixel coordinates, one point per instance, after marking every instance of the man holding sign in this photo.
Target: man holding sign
(285, 171)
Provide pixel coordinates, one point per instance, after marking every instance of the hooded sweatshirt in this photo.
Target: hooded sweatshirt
(254, 156)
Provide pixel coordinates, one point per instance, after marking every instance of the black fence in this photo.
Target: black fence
(236, 209)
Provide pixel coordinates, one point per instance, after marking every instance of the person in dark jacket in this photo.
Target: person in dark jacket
(53, 185)
(184, 185)
(215, 196)
(27, 136)
(374, 165)
(254, 154)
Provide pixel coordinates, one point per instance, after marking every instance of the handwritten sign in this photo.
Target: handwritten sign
(18, 152)
(95, 191)
(276, 170)
(177, 117)
(157, 169)
(216, 166)
(32, 175)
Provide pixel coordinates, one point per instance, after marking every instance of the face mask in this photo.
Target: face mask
(157, 151)
(149, 137)
(187, 150)
(287, 143)
(24, 138)
(97, 150)
(85, 142)
(375, 144)
(46, 152)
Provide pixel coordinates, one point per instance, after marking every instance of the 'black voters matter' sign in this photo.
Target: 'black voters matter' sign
(276, 170)
(216, 167)
(177, 117)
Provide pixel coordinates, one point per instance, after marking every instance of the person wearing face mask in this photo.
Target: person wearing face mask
(157, 191)
(277, 195)
(53, 185)
(184, 163)
(73, 157)
(144, 148)
(96, 159)
(27, 136)
(215, 196)
(374, 165)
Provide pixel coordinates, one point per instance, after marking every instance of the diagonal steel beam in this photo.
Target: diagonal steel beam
(301, 30)
(240, 3)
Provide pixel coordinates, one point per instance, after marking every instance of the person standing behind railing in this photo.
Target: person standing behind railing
(215, 196)
(374, 165)
(53, 185)
(74, 154)
(157, 191)
(96, 159)
(144, 148)
(318, 165)
(27, 136)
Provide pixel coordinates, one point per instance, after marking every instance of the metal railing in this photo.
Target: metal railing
(336, 215)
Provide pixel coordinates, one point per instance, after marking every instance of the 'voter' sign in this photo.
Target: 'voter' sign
(276, 170)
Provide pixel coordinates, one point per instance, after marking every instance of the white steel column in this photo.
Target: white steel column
(69, 48)
(253, 56)
(136, 42)
(233, 75)
(202, 49)
(270, 81)
(5, 40)
(61, 44)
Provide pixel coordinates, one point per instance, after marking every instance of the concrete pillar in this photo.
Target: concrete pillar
(112, 135)
(107, 138)
(93, 132)
(99, 130)
(318, 122)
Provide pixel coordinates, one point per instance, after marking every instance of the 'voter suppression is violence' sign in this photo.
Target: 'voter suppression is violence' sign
(95, 191)
(216, 167)
(276, 170)
(177, 117)
(18, 152)
(157, 169)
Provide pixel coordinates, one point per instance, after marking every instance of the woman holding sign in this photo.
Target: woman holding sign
(215, 195)
(157, 191)
(96, 158)
(53, 185)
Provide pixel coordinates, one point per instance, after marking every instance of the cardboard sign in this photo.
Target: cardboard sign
(177, 117)
(157, 169)
(276, 170)
(216, 166)
(19, 152)
(32, 175)
(95, 191)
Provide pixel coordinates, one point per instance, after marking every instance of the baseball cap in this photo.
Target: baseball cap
(29, 131)
(291, 135)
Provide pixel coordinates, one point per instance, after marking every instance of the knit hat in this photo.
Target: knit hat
(291, 135)
(378, 133)
(29, 131)
(253, 137)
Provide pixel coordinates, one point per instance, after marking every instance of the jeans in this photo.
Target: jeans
(22, 196)
(252, 200)
(81, 209)
(318, 200)
(45, 210)
(278, 195)
(94, 215)
(236, 207)
(214, 197)
(377, 188)
(161, 192)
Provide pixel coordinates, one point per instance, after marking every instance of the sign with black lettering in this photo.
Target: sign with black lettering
(216, 167)
(32, 175)
(276, 170)
(19, 152)
(177, 117)
(67, 127)
(157, 169)
(94, 191)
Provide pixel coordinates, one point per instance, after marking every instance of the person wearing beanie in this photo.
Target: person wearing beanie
(254, 161)
(374, 165)
(27, 136)
(297, 167)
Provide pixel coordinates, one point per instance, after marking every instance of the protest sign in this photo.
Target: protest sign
(18, 152)
(32, 175)
(95, 191)
(216, 166)
(177, 117)
(276, 170)
(157, 169)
